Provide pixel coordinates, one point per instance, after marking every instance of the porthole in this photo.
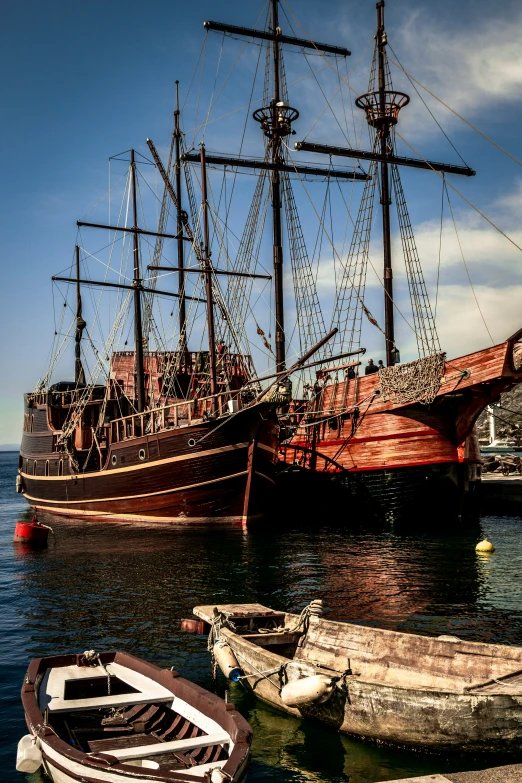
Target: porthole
(141, 453)
(114, 459)
(191, 442)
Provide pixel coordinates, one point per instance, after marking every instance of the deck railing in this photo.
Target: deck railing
(176, 414)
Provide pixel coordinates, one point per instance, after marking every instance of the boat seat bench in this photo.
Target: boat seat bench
(191, 743)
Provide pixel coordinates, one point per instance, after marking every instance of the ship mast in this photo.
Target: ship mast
(138, 330)
(207, 266)
(383, 131)
(179, 231)
(79, 375)
(276, 123)
(382, 108)
(275, 145)
(137, 286)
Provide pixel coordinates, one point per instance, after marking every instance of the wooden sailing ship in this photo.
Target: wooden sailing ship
(176, 436)
(171, 436)
(396, 438)
(440, 693)
(403, 438)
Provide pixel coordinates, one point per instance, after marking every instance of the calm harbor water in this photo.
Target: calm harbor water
(127, 587)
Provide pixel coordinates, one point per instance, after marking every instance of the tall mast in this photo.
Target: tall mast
(179, 231)
(79, 375)
(384, 133)
(276, 199)
(276, 122)
(138, 331)
(208, 282)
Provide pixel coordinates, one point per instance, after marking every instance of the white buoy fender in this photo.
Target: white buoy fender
(218, 776)
(28, 754)
(308, 690)
(19, 483)
(227, 661)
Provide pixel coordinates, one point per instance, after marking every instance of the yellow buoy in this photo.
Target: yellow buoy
(484, 546)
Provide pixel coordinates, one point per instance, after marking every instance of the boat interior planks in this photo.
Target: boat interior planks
(111, 716)
(408, 689)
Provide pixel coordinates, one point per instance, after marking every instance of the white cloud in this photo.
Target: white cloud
(468, 67)
(459, 323)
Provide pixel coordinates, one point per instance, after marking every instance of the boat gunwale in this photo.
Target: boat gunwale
(224, 714)
(497, 651)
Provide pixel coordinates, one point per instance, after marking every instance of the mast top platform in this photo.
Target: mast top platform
(382, 112)
(276, 119)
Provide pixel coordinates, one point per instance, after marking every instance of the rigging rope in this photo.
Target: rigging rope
(440, 249)
(488, 220)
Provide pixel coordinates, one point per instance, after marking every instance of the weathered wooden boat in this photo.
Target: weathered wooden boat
(441, 693)
(113, 717)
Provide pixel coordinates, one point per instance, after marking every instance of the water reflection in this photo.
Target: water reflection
(124, 586)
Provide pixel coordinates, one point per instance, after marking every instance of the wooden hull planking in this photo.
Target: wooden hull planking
(194, 473)
(404, 689)
(395, 435)
(382, 451)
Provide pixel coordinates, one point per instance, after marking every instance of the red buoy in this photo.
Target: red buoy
(194, 626)
(32, 532)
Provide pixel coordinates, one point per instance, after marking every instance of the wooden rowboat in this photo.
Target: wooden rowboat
(439, 693)
(113, 717)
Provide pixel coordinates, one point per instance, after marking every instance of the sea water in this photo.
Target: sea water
(121, 586)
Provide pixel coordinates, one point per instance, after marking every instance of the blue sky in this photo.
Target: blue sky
(82, 82)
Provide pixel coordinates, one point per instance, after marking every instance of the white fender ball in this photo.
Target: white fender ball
(308, 690)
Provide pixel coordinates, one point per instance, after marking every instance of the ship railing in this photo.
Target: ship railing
(308, 459)
(69, 397)
(173, 415)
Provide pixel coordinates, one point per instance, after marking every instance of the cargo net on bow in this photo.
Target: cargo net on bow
(417, 381)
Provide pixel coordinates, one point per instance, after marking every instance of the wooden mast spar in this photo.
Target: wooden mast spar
(208, 285)
(138, 329)
(79, 375)
(179, 230)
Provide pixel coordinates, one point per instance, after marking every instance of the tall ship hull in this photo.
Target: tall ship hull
(399, 458)
(202, 471)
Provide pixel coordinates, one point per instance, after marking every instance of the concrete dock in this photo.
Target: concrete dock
(502, 493)
(511, 773)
